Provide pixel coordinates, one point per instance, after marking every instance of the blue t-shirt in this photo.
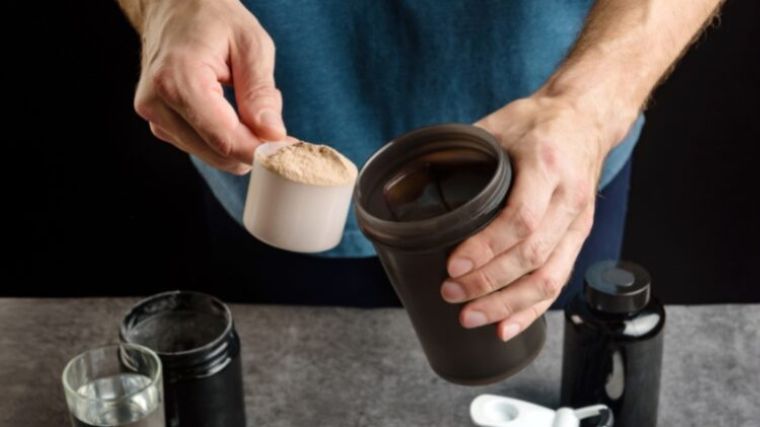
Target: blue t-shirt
(355, 74)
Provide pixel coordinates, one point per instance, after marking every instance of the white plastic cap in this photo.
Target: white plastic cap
(489, 410)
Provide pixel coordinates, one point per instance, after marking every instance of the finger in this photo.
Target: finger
(167, 125)
(509, 328)
(526, 256)
(259, 102)
(540, 286)
(526, 206)
(161, 133)
(193, 89)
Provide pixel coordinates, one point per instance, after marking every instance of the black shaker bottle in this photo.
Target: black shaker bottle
(195, 338)
(417, 198)
(613, 344)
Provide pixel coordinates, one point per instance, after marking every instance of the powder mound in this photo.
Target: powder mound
(311, 164)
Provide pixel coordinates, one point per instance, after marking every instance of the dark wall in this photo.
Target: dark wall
(98, 203)
(97, 206)
(694, 208)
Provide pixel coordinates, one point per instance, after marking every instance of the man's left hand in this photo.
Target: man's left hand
(512, 271)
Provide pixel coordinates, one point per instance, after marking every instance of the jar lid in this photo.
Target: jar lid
(450, 225)
(193, 333)
(617, 287)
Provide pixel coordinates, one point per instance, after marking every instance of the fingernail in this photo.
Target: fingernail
(242, 169)
(459, 266)
(452, 291)
(473, 319)
(509, 331)
(272, 120)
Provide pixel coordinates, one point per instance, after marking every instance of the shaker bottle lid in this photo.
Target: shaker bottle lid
(617, 287)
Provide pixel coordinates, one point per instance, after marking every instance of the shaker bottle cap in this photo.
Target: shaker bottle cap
(617, 287)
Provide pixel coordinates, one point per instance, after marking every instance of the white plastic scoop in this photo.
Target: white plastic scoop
(489, 410)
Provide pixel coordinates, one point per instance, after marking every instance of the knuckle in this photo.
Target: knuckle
(262, 92)
(259, 44)
(483, 283)
(580, 195)
(548, 156)
(507, 309)
(162, 135)
(550, 287)
(221, 142)
(533, 254)
(165, 83)
(526, 221)
(485, 244)
(157, 131)
(165, 72)
(144, 108)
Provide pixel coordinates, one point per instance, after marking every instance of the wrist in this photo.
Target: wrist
(601, 101)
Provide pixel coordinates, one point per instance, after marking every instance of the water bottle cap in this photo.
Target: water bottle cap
(617, 287)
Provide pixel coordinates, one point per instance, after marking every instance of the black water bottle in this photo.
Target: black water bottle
(613, 344)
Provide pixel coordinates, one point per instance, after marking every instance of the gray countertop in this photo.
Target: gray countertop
(307, 366)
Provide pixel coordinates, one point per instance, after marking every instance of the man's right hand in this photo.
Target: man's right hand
(190, 49)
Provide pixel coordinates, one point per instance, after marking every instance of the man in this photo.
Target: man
(560, 83)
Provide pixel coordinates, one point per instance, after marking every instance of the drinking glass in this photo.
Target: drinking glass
(117, 385)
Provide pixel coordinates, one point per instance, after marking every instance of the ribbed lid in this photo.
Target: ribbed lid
(449, 227)
(617, 287)
(193, 333)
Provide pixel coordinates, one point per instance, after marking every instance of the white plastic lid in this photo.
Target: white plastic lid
(489, 410)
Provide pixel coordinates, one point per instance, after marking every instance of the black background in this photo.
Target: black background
(95, 206)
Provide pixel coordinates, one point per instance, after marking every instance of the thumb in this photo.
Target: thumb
(259, 102)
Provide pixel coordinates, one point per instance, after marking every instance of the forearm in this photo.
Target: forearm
(625, 49)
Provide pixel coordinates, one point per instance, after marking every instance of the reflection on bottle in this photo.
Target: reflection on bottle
(615, 384)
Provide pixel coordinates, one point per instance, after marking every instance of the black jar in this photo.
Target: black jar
(195, 338)
(416, 199)
(613, 344)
